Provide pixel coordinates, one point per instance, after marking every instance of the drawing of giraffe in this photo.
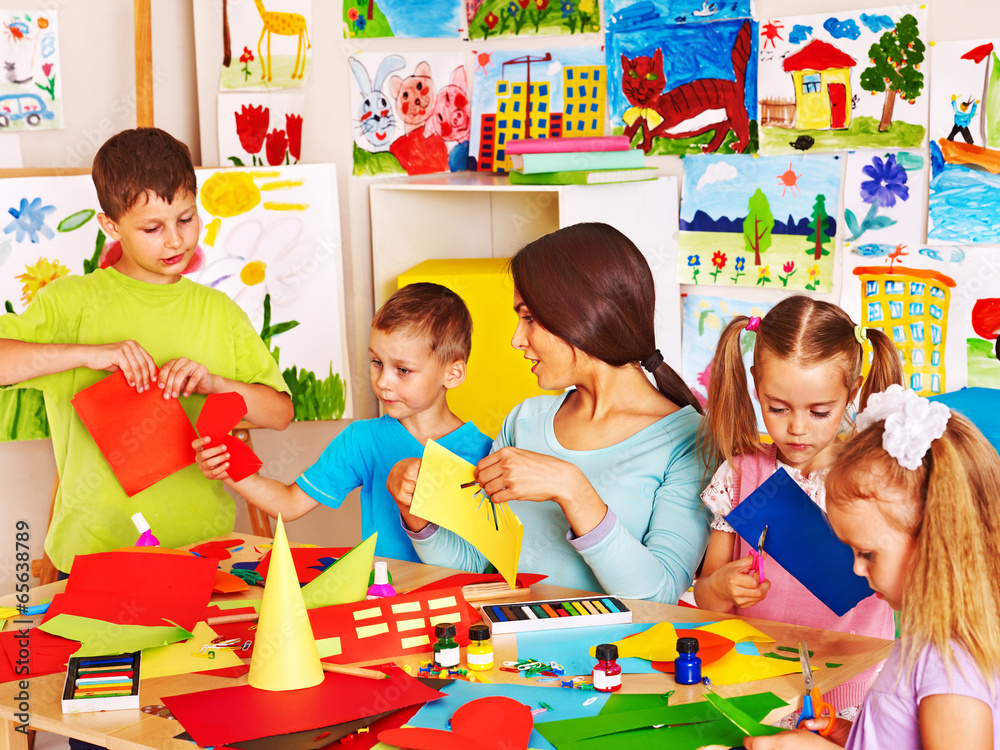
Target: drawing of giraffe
(284, 24)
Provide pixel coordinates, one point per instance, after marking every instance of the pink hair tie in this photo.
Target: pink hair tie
(753, 324)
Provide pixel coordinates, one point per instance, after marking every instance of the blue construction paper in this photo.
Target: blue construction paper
(747, 648)
(566, 704)
(570, 647)
(800, 540)
(981, 406)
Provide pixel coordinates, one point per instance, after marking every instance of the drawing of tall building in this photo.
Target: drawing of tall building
(487, 141)
(911, 306)
(514, 108)
(583, 100)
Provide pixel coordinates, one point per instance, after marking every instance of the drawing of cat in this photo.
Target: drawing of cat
(711, 103)
(11, 73)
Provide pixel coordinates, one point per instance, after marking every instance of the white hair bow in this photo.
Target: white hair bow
(912, 423)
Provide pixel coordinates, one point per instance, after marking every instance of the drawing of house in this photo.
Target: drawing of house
(583, 92)
(488, 141)
(522, 112)
(822, 77)
(911, 306)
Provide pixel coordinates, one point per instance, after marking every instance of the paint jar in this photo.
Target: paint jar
(446, 651)
(607, 674)
(146, 538)
(687, 665)
(380, 587)
(479, 654)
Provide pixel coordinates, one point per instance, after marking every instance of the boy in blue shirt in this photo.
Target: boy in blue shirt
(419, 347)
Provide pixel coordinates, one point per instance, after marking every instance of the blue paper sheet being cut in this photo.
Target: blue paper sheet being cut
(801, 541)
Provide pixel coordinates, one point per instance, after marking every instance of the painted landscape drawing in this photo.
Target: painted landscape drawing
(265, 44)
(489, 19)
(964, 204)
(843, 81)
(535, 94)
(425, 19)
(31, 93)
(883, 200)
(411, 113)
(983, 316)
(759, 221)
(685, 88)
(269, 240)
(631, 14)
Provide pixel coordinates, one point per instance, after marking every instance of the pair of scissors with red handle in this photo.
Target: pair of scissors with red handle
(758, 557)
(813, 705)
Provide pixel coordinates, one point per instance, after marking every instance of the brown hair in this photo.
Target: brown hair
(800, 329)
(589, 285)
(952, 589)
(433, 313)
(138, 161)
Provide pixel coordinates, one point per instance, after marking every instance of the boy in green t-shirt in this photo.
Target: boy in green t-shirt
(140, 316)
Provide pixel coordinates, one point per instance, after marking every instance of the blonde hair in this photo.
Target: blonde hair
(799, 329)
(952, 590)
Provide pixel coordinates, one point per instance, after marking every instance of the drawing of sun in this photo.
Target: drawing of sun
(789, 181)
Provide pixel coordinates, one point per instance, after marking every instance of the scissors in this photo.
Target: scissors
(758, 561)
(813, 705)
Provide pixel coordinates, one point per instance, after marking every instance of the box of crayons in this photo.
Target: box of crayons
(512, 617)
(101, 683)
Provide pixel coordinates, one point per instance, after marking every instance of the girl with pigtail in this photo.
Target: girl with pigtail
(914, 495)
(807, 363)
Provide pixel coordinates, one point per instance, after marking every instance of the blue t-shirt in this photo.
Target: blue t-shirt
(362, 456)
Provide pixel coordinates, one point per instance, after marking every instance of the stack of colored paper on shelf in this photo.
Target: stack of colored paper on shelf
(576, 161)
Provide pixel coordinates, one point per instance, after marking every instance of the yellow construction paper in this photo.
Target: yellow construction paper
(345, 581)
(439, 498)
(658, 643)
(236, 603)
(284, 653)
(178, 658)
(737, 630)
(734, 668)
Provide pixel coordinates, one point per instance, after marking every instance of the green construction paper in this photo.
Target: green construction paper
(344, 582)
(100, 638)
(743, 721)
(758, 705)
(684, 737)
(830, 665)
(612, 726)
(779, 656)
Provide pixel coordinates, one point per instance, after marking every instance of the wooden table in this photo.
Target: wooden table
(134, 730)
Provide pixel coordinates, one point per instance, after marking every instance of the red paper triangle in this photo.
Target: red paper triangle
(220, 414)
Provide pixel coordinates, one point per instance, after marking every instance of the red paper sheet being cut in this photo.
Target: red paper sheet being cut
(234, 714)
(143, 436)
(219, 415)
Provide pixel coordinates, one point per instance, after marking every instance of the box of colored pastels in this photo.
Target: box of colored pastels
(101, 683)
(512, 617)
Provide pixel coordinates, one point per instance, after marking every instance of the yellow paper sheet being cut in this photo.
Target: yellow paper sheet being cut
(179, 658)
(440, 499)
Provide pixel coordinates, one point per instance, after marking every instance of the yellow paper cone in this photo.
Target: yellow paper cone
(345, 581)
(284, 653)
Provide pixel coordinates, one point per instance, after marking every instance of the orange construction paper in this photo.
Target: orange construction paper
(482, 724)
(143, 436)
(219, 415)
(711, 648)
(227, 583)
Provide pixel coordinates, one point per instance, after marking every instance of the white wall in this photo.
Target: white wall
(96, 48)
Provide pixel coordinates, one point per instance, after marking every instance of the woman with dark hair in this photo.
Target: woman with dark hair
(605, 477)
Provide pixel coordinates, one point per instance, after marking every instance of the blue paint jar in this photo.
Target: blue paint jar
(687, 665)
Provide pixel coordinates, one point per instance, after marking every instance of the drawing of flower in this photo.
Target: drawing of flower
(739, 266)
(513, 8)
(719, 261)
(813, 272)
(693, 262)
(251, 127)
(567, 8)
(253, 273)
(46, 69)
(43, 23)
(29, 220)
(763, 275)
(491, 20)
(360, 23)
(542, 4)
(276, 143)
(789, 269)
(37, 276)
(887, 183)
(293, 126)
(246, 58)
(352, 14)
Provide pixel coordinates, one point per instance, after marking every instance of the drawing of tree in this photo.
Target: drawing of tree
(757, 225)
(821, 229)
(896, 59)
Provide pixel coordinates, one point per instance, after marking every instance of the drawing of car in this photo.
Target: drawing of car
(28, 107)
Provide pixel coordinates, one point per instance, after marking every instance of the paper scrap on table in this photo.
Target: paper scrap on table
(187, 656)
(220, 413)
(800, 540)
(345, 581)
(440, 498)
(100, 638)
(740, 719)
(111, 408)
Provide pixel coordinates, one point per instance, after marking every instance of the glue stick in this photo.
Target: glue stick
(146, 538)
(380, 582)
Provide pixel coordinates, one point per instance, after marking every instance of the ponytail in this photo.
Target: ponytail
(732, 423)
(671, 385)
(886, 368)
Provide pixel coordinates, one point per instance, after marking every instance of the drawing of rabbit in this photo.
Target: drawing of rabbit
(375, 115)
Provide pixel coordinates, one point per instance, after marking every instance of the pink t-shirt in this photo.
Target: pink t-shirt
(888, 715)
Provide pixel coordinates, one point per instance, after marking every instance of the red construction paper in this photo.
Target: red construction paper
(234, 714)
(470, 579)
(218, 549)
(500, 721)
(138, 588)
(142, 436)
(227, 671)
(47, 654)
(219, 415)
(306, 561)
(339, 620)
(711, 647)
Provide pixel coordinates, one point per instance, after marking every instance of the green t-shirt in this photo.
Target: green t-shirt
(92, 512)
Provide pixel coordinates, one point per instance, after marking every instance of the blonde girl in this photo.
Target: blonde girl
(914, 494)
(807, 363)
